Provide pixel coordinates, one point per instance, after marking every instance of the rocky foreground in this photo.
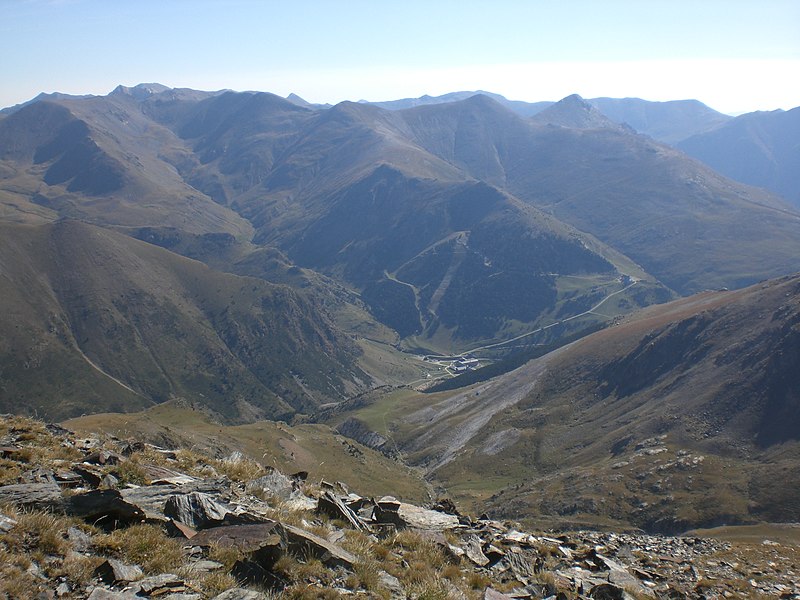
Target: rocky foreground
(107, 519)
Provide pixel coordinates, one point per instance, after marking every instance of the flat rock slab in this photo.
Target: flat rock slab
(474, 551)
(275, 484)
(159, 584)
(423, 518)
(155, 475)
(247, 538)
(41, 496)
(330, 554)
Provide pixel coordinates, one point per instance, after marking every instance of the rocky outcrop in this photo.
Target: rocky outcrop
(359, 546)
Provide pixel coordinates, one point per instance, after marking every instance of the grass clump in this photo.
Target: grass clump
(37, 531)
(216, 582)
(238, 467)
(145, 545)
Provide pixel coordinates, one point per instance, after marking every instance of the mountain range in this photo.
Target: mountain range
(455, 223)
(257, 257)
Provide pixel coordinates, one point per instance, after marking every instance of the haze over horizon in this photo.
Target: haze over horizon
(733, 56)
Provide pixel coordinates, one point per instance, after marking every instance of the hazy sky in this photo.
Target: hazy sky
(734, 55)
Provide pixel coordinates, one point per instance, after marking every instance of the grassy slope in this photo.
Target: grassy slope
(162, 325)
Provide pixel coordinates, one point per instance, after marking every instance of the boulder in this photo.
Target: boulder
(152, 498)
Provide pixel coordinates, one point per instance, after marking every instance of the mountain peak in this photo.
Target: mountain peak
(574, 112)
(140, 91)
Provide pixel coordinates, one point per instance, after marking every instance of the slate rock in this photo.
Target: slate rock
(101, 593)
(177, 529)
(81, 541)
(415, 517)
(114, 572)
(491, 594)
(392, 583)
(334, 507)
(474, 552)
(246, 538)
(156, 475)
(89, 475)
(40, 496)
(201, 511)
(301, 541)
(129, 448)
(609, 591)
(104, 507)
(68, 479)
(38, 475)
(159, 585)
(274, 484)
(109, 482)
(152, 498)
(204, 566)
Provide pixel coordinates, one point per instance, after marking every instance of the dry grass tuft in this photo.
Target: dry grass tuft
(145, 545)
(226, 555)
(213, 584)
(239, 468)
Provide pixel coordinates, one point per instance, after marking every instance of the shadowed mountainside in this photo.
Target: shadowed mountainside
(94, 320)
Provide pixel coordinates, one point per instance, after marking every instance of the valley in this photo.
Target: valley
(544, 312)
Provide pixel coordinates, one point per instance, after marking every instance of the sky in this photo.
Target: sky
(734, 55)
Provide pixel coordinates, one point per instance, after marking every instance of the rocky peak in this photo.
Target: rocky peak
(574, 112)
